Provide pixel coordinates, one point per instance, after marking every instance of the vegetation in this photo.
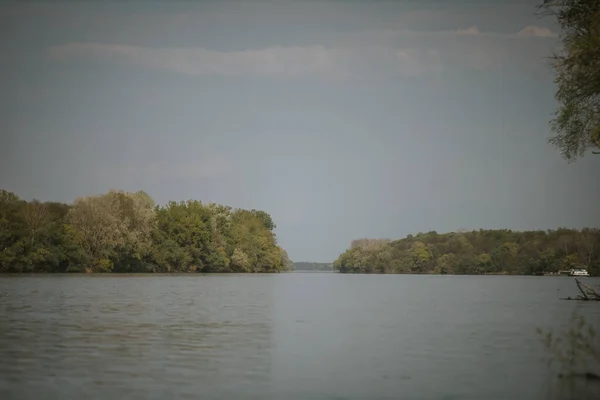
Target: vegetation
(575, 358)
(476, 252)
(127, 232)
(313, 266)
(577, 68)
(577, 128)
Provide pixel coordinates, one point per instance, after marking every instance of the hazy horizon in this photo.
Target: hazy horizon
(343, 120)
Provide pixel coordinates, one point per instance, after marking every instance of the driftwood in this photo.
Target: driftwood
(587, 293)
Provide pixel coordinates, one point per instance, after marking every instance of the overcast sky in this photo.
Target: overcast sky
(342, 119)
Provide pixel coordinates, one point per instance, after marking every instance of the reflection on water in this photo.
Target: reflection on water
(288, 336)
(134, 337)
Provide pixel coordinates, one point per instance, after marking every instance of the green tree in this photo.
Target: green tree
(265, 218)
(125, 232)
(287, 264)
(420, 256)
(113, 229)
(11, 229)
(505, 256)
(240, 261)
(185, 228)
(577, 67)
(445, 264)
(475, 252)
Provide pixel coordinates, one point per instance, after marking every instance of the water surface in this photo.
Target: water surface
(286, 336)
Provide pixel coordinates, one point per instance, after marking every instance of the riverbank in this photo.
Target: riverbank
(489, 252)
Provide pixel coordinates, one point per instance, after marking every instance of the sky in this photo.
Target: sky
(342, 119)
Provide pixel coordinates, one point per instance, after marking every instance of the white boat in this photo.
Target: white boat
(579, 272)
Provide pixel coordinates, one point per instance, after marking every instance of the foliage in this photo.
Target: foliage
(286, 262)
(126, 232)
(577, 68)
(574, 355)
(476, 252)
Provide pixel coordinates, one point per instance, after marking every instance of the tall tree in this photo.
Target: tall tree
(116, 226)
(11, 229)
(577, 67)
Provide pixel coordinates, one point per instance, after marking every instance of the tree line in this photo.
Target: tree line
(312, 266)
(476, 252)
(126, 232)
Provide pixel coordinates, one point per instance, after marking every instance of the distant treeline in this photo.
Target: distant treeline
(313, 266)
(476, 252)
(127, 232)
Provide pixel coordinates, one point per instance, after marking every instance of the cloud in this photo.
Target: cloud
(536, 31)
(530, 31)
(469, 31)
(387, 36)
(383, 53)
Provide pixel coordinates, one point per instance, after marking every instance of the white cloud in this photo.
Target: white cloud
(388, 36)
(403, 53)
(469, 31)
(536, 31)
(530, 31)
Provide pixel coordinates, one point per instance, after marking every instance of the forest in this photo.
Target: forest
(476, 252)
(312, 266)
(126, 232)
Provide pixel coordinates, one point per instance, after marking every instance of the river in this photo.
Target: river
(285, 336)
